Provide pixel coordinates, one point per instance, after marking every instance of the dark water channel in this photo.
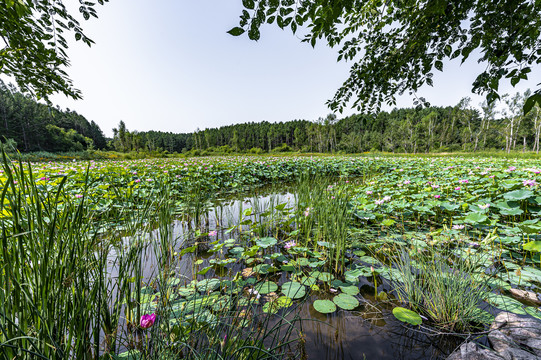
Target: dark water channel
(368, 332)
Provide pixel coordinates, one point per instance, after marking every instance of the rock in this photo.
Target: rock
(516, 336)
(471, 351)
(525, 295)
(512, 338)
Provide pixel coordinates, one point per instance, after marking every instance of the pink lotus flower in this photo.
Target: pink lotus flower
(147, 321)
(457, 188)
(529, 182)
(437, 196)
(213, 233)
(290, 244)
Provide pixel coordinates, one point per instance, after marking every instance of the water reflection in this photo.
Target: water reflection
(369, 332)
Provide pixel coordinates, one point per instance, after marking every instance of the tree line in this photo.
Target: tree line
(413, 130)
(33, 126)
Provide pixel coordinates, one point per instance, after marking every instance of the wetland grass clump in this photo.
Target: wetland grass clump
(439, 285)
(324, 217)
(48, 287)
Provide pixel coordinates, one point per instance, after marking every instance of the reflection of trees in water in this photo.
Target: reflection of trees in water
(369, 334)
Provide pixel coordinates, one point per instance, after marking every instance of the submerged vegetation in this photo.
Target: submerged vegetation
(145, 259)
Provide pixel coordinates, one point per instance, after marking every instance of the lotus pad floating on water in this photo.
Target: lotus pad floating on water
(129, 355)
(281, 303)
(308, 281)
(266, 242)
(349, 289)
(407, 316)
(266, 287)
(293, 290)
(208, 285)
(324, 306)
(534, 246)
(346, 302)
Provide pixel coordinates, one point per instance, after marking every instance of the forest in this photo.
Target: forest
(414, 130)
(31, 126)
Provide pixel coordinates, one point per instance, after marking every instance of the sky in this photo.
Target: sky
(169, 65)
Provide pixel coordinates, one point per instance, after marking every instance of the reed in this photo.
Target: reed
(441, 286)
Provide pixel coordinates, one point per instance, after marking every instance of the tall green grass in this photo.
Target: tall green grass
(324, 217)
(71, 284)
(49, 270)
(441, 286)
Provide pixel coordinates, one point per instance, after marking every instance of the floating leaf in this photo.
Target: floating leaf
(532, 311)
(262, 268)
(293, 290)
(534, 246)
(237, 250)
(345, 301)
(323, 276)
(266, 287)
(308, 280)
(324, 306)
(517, 195)
(369, 260)
(277, 304)
(475, 218)
(129, 355)
(407, 316)
(359, 253)
(506, 303)
(288, 267)
(208, 285)
(266, 242)
(353, 275)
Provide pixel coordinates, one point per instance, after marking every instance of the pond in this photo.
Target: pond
(241, 238)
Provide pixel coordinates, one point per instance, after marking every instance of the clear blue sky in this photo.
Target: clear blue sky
(169, 65)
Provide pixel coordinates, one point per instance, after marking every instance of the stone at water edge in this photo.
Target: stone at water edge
(511, 333)
(510, 336)
(471, 351)
(526, 295)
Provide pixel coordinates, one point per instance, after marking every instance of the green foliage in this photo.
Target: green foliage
(324, 306)
(447, 293)
(38, 127)
(407, 316)
(377, 38)
(35, 52)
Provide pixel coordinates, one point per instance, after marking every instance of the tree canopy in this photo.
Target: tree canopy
(34, 49)
(395, 45)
